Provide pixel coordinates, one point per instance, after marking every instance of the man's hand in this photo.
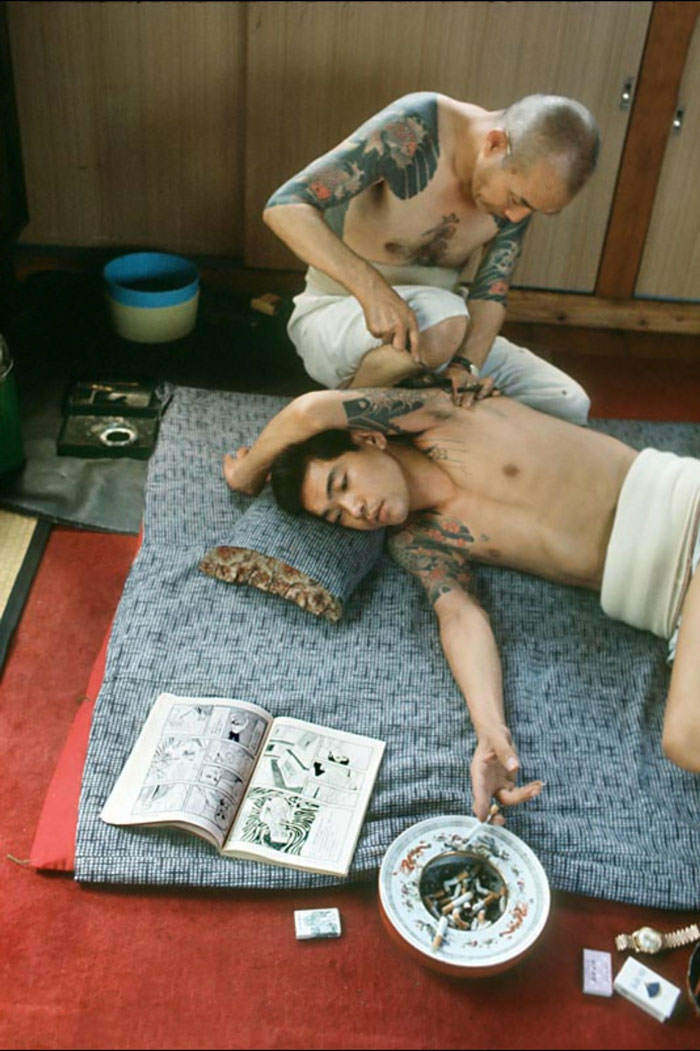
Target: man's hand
(493, 769)
(467, 388)
(389, 317)
(238, 477)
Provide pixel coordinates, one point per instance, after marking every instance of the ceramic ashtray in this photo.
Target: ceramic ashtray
(465, 904)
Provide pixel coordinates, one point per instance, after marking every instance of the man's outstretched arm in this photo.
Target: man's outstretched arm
(430, 549)
(393, 412)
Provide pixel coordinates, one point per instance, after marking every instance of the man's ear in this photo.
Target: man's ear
(496, 142)
(369, 439)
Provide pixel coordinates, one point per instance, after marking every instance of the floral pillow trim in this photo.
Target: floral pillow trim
(240, 565)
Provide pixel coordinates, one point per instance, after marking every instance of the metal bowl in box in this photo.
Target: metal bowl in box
(430, 866)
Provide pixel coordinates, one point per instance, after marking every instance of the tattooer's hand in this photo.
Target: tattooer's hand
(238, 475)
(494, 768)
(389, 318)
(467, 388)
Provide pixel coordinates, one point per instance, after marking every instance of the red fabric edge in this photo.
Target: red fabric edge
(53, 848)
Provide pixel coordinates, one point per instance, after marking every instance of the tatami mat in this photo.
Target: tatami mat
(16, 532)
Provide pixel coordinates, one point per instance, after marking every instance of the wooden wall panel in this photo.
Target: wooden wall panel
(132, 123)
(316, 71)
(671, 260)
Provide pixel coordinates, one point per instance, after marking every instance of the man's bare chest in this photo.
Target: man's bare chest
(438, 227)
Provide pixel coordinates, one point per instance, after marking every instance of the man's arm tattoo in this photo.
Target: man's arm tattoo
(433, 549)
(399, 145)
(384, 410)
(492, 279)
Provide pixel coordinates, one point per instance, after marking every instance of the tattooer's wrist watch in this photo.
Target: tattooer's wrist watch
(461, 359)
(649, 940)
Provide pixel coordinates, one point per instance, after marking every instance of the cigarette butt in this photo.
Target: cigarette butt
(456, 902)
(440, 933)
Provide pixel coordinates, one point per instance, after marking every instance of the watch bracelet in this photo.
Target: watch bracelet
(688, 934)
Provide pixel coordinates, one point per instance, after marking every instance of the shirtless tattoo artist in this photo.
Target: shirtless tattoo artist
(387, 222)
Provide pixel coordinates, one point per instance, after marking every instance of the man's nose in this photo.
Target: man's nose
(354, 505)
(517, 213)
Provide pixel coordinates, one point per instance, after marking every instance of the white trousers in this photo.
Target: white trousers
(331, 337)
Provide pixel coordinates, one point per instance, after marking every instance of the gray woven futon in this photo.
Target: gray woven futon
(584, 695)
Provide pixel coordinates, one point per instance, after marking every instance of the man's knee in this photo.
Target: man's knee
(681, 742)
(439, 343)
(576, 404)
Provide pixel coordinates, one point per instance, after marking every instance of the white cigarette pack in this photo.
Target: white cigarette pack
(646, 989)
(317, 923)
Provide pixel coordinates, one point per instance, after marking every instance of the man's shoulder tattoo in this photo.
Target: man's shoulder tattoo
(433, 548)
(399, 145)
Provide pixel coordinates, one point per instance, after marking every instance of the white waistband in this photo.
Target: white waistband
(436, 276)
(648, 561)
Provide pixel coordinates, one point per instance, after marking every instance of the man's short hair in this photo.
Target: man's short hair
(556, 127)
(289, 468)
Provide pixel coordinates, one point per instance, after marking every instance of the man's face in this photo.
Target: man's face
(360, 490)
(502, 191)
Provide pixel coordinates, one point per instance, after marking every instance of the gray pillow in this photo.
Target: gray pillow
(302, 559)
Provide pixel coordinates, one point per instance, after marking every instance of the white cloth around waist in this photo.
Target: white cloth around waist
(318, 283)
(648, 561)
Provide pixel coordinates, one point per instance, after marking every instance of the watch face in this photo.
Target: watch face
(649, 940)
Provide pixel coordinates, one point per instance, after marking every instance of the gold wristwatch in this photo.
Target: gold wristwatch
(649, 940)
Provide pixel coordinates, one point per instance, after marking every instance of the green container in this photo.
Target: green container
(11, 448)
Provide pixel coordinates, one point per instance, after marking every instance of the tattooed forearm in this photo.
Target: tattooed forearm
(380, 412)
(492, 279)
(396, 411)
(400, 145)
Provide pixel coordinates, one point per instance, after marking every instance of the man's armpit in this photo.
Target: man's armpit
(492, 279)
(399, 145)
(440, 569)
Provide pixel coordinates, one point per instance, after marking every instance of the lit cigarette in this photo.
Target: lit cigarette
(440, 932)
(475, 831)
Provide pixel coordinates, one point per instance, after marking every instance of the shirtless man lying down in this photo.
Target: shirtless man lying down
(504, 484)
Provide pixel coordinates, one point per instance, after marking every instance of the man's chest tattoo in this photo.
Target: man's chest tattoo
(448, 453)
(433, 251)
(436, 241)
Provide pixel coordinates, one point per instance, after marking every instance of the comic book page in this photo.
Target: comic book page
(307, 799)
(190, 765)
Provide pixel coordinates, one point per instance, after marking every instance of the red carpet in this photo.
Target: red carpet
(115, 968)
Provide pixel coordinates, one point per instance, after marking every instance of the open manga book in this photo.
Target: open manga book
(276, 790)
